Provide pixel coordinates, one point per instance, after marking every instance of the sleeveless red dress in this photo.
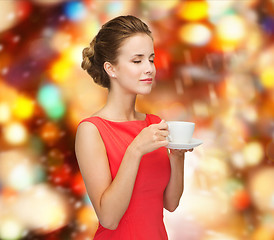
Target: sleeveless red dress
(143, 220)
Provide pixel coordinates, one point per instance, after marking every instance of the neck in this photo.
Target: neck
(121, 106)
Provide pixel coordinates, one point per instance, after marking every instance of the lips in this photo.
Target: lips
(149, 80)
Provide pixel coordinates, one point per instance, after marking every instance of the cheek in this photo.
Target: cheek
(134, 70)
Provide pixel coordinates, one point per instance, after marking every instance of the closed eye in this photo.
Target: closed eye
(136, 61)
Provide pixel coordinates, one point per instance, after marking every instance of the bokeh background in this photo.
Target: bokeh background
(215, 67)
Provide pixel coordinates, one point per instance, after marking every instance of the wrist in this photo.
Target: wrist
(134, 151)
(177, 159)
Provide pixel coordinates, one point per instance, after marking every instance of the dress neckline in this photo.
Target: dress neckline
(131, 121)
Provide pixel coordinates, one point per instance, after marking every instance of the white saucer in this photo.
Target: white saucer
(193, 143)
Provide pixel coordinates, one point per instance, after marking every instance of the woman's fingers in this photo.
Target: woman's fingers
(163, 133)
(162, 125)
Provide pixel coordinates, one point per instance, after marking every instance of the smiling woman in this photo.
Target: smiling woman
(106, 46)
(128, 173)
(135, 65)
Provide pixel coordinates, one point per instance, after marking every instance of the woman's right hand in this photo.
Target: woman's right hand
(151, 138)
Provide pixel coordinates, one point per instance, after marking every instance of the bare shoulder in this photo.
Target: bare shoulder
(88, 138)
(86, 129)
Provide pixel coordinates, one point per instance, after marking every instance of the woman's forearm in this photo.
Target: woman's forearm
(115, 200)
(175, 187)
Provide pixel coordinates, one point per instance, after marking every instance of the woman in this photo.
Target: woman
(121, 153)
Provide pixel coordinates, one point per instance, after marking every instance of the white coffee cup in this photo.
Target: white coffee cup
(180, 132)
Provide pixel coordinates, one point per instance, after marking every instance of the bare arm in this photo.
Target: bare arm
(111, 198)
(175, 187)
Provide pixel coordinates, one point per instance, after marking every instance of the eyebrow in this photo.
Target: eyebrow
(141, 55)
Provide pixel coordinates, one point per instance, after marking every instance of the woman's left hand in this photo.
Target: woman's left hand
(179, 153)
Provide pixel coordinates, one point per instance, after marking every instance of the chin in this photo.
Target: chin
(144, 91)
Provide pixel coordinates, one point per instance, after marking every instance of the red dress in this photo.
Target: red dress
(143, 220)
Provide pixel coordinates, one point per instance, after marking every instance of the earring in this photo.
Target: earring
(113, 75)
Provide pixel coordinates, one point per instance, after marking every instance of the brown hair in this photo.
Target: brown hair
(105, 45)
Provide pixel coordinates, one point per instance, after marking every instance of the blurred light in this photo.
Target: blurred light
(265, 59)
(7, 193)
(23, 107)
(250, 114)
(86, 217)
(48, 95)
(163, 64)
(17, 169)
(193, 11)
(50, 132)
(39, 174)
(5, 112)
(267, 77)
(207, 208)
(15, 133)
(61, 40)
(83, 234)
(200, 109)
(61, 175)
(241, 200)
(238, 160)
(61, 70)
(77, 184)
(42, 209)
(10, 229)
(57, 111)
(50, 99)
(233, 185)
(233, 131)
(214, 235)
(250, 3)
(48, 3)
(261, 188)
(217, 9)
(253, 153)
(262, 233)
(36, 143)
(74, 10)
(23, 9)
(195, 34)
(90, 28)
(8, 15)
(20, 177)
(55, 157)
(268, 220)
(74, 55)
(157, 9)
(231, 31)
(114, 8)
(169, 5)
(41, 51)
(268, 24)
(270, 150)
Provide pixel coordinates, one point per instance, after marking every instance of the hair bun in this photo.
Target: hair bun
(86, 63)
(88, 52)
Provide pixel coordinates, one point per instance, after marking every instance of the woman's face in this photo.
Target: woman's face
(135, 70)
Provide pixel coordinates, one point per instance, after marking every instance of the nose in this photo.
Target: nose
(149, 67)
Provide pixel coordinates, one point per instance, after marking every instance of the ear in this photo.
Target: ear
(109, 68)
